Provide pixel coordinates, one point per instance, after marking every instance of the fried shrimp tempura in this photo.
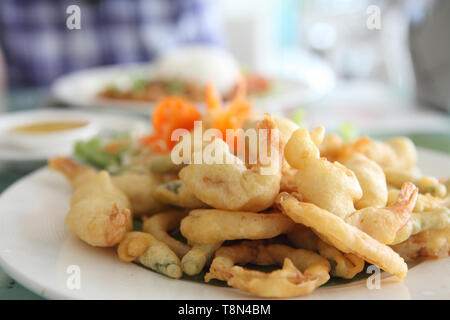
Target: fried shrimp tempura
(75, 173)
(150, 252)
(330, 147)
(286, 127)
(436, 218)
(207, 226)
(342, 235)
(425, 202)
(383, 224)
(176, 193)
(371, 179)
(432, 243)
(231, 185)
(159, 224)
(343, 265)
(99, 214)
(396, 153)
(200, 255)
(163, 164)
(426, 184)
(330, 186)
(303, 237)
(302, 270)
(138, 187)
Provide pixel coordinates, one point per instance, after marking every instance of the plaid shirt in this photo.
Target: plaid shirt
(38, 46)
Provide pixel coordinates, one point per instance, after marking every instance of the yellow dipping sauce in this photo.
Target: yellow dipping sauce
(48, 127)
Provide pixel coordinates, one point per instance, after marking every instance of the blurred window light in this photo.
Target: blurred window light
(321, 36)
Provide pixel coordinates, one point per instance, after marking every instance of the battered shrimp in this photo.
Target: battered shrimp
(285, 125)
(330, 186)
(150, 252)
(330, 147)
(207, 226)
(436, 218)
(159, 224)
(176, 193)
(433, 243)
(303, 237)
(75, 173)
(426, 184)
(286, 128)
(302, 270)
(288, 181)
(343, 265)
(383, 224)
(396, 153)
(100, 214)
(163, 164)
(371, 179)
(138, 187)
(428, 213)
(236, 186)
(425, 202)
(341, 235)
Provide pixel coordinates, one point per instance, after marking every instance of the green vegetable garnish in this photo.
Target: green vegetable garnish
(139, 86)
(175, 87)
(112, 89)
(93, 152)
(348, 131)
(299, 118)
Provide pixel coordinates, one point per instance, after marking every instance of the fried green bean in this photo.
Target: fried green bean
(437, 218)
(159, 224)
(343, 265)
(150, 252)
(139, 188)
(200, 255)
(426, 184)
(163, 164)
(176, 193)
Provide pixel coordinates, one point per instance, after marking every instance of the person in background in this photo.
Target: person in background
(38, 46)
(429, 41)
(2, 82)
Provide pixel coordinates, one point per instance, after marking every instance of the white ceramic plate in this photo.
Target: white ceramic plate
(80, 89)
(37, 250)
(107, 125)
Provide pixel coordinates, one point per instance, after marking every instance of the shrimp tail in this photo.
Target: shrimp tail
(273, 135)
(117, 227)
(70, 169)
(355, 147)
(405, 202)
(213, 97)
(240, 90)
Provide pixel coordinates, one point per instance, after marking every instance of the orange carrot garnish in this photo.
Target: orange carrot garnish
(170, 113)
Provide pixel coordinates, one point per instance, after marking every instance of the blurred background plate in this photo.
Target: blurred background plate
(80, 89)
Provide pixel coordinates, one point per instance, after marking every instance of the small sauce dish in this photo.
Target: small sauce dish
(46, 129)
